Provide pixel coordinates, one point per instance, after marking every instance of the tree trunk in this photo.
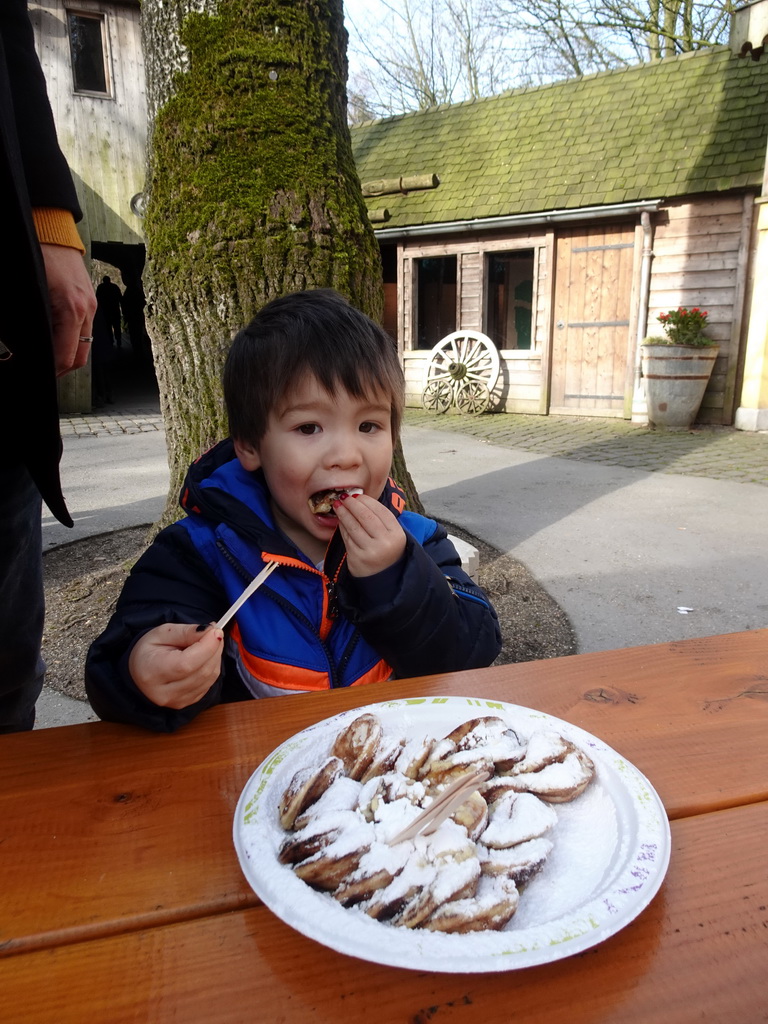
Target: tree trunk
(252, 191)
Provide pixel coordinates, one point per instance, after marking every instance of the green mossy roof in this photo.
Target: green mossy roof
(685, 125)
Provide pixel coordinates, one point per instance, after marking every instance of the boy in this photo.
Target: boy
(363, 590)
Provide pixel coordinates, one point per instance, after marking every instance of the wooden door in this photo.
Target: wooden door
(592, 320)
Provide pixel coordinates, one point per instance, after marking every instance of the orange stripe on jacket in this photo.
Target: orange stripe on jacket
(380, 671)
(291, 677)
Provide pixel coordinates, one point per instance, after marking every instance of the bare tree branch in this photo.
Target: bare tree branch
(414, 54)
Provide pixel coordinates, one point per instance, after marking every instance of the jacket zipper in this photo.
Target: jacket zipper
(236, 564)
(333, 600)
(286, 605)
(462, 588)
(350, 650)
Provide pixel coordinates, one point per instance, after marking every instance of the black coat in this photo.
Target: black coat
(421, 615)
(33, 173)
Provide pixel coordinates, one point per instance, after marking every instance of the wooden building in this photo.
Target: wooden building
(557, 221)
(90, 52)
(560, 221)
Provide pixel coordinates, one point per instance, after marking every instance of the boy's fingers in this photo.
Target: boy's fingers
(361, 511)
(185, 651)
(366, 523)
(174, 665)
(181, 693)
(197, 647)
(181, 636)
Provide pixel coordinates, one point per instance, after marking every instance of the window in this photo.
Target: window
(87, 45)
(436, 290)
(510, 299)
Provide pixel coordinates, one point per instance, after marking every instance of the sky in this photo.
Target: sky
(358, 9)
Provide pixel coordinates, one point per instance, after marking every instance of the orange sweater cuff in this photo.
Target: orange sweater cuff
(56, 227)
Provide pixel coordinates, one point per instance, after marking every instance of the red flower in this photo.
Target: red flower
(684, 325)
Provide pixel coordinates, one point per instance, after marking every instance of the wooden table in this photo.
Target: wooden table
(121, 898)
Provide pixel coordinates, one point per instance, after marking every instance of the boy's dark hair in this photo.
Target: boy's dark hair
(312, 332)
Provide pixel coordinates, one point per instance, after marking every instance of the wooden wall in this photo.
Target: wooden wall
(701, 250)
(103, 137)
(519, 388)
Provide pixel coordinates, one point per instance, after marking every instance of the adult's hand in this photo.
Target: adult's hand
(73, 304)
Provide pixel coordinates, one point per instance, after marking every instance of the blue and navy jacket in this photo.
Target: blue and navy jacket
(305, 628)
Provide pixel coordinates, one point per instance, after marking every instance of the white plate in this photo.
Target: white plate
(611, 851)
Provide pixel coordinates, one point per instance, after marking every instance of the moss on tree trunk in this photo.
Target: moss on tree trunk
(252, 191)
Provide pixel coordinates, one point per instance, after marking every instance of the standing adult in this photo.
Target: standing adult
(109, 299)
(46, 312)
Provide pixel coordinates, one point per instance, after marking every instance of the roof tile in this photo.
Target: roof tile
(693, 123)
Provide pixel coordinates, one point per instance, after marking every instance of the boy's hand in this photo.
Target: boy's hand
(373, 537)
(176, 665)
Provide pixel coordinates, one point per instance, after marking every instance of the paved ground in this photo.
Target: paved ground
(632, 556)
(626, 527)
(718, 453)
(112, 423)
(115, 474)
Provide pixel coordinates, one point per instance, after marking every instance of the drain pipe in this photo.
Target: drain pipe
(639, 412)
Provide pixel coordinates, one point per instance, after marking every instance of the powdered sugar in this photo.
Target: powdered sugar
(341, 795)
(593, 844)
(517, 817)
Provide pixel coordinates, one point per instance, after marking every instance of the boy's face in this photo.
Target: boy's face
(317, 442)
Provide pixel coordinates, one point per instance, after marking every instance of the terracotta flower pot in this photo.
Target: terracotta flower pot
(676, 377)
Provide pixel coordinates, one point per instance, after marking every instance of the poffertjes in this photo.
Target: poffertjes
(342, 815)
(321, 504)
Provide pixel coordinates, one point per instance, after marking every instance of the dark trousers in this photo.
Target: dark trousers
(22, 602)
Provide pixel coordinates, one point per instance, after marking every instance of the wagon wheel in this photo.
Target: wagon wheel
(461, 358)
(437, 396)
(472, 396)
